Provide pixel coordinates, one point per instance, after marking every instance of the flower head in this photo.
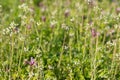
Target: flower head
(43, 18)
(31, 62)
(94, 32)
(67, 13)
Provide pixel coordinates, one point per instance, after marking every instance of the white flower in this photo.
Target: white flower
(65, 27)
(50, 67)
(71, 34)
(53, 23)
(38, 23)
(13, 24)
(26, 49)
(65, 47)
(11, 29)
(72, 19)
(37, 51)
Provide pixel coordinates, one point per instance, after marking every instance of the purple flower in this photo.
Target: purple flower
(31, 62)
(94, 32)
(43, 18)
(28, 26)
(41, 4)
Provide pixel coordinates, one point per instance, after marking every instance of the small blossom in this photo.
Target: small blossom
(53, 23)
(65, 47)
(72, 19)
(26, 49)
(43, 18)
(31, 62)
(37, 51)
(41, 4)
(67, 13)
(94, 32)
(110, 31)
(38, 23)
(65, 27)
(91, 3)
(50, 67)
(29, 27)
(12, 29)
(43, 9)
(71, 34)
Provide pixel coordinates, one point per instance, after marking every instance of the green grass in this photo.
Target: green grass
(59, 40)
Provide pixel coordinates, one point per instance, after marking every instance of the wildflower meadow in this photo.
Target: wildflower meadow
(59, 39)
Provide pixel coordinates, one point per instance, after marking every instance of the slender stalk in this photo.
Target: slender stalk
(103, 38)
(11, 58)
(93, 59)
(19, 67)
(113, 58)
(61, 54)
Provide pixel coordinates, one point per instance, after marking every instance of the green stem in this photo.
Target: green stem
(61, 54)
(114, 54)
(11, 58)
(19, 67)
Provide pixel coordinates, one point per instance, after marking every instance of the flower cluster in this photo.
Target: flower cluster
(111, 44)
(53, 23)
(65, 27)
(12, 29)
(24, 7)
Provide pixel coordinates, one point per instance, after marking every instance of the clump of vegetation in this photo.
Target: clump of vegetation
(59, 40)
